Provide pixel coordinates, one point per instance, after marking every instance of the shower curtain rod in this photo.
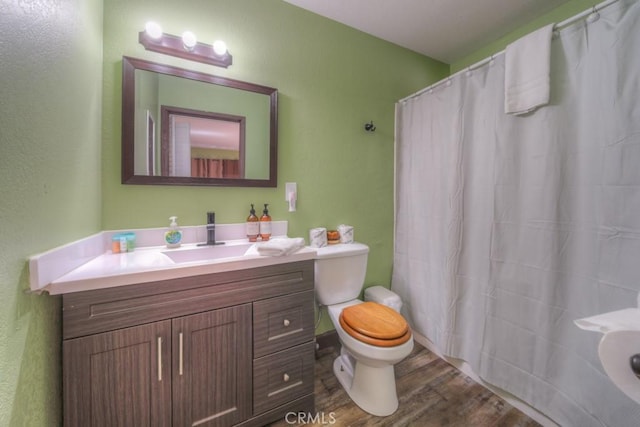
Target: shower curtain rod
(485, 61)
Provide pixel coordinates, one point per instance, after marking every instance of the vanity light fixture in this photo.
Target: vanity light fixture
(189, 40)
(220, 47)
(186, 47)
(153, 30)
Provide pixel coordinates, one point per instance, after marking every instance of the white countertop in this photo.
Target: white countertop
(151, 264)
(88, 263)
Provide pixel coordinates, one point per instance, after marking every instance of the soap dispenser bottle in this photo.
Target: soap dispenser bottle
(265, 224)
(253, 225)
(173, 236)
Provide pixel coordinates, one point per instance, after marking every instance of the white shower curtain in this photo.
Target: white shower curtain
(508, 228)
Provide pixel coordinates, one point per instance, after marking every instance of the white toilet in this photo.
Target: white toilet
(374, 337)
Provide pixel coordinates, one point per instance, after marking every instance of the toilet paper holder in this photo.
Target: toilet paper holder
(634, 361)
(618, 349)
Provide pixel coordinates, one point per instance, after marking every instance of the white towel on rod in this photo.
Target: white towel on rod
(527, 69)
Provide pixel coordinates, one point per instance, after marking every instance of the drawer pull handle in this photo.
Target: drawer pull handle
(159, 358)
(180, 357)
(286, 322)
(285, 377)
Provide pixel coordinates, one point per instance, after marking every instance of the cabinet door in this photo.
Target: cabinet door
(212, 367)
(119, 378)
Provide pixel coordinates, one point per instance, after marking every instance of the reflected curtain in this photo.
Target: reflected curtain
(206, 168)
(510, 227)
(214, 168)
(231, 168)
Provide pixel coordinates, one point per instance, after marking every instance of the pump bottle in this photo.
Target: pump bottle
(265, 224)
(173, 236)
(252, 225)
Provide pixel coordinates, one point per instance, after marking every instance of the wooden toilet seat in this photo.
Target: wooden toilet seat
(375, 324)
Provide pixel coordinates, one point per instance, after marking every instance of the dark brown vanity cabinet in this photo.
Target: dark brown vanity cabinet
(234, 348)
(212, 367)
(115, 378)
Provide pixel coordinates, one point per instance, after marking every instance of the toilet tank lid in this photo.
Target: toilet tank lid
(341, 250)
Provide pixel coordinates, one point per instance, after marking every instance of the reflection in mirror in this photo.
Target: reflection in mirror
(151, 145)
(200, 144)
(213, 130)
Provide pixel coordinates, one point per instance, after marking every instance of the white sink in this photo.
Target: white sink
(207, 253)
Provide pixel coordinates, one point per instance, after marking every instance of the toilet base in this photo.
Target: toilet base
(372, 389)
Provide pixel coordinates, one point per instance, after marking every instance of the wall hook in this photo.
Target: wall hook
(369, 127)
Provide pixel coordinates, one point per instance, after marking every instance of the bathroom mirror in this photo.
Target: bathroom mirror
(182, 127)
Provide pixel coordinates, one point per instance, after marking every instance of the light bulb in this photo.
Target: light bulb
(189, 40)
(219, 47)
(153, 30)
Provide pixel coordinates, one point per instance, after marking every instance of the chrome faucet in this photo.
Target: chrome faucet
(211, 231)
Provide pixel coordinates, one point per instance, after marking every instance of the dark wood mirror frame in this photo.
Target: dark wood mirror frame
(129, 65)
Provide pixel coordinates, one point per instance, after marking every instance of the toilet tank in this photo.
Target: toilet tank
(339, 272)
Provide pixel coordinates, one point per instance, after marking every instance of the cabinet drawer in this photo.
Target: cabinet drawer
(282, 322)
(284, 376)
(101, 310)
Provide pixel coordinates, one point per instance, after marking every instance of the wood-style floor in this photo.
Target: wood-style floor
(431, 392)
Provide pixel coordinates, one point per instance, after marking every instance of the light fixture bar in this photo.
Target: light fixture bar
(173, 45)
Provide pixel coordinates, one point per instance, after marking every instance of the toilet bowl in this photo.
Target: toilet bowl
(373, 337)
(366, 371)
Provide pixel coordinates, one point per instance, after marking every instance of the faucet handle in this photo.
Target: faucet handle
(211, 217)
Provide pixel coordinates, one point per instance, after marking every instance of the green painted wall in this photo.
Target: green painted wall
(331, 81)
(559, 14)
(50, 137)
(60, 103)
